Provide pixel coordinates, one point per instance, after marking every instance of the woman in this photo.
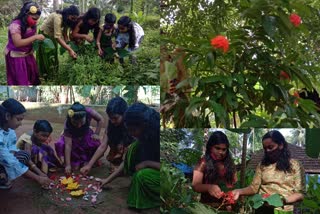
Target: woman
(215, 171)
(21, 65)
(89, 21)
(78, 143)
(56, 28)
(276, 173)
(13, 162)
(116, 136)
(142, 160)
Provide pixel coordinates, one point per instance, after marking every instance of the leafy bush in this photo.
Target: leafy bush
(311, 202)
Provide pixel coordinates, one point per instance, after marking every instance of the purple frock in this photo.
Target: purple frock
(83, 146)
(21, 70)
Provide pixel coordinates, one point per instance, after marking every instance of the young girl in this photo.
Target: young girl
(130, 34)
(13, 163)
(214, 170)
(78, 143)
(116, 135)
(277, 173)
(89, 21)
(104, 38)
(36, 143)
(142, 160)
(21, 65)
(56, 28)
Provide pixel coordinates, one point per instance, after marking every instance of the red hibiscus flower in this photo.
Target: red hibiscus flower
(284, 75)
(265, 195)
(228, 198)
(220, 42)
(295, 19)
(296, 101)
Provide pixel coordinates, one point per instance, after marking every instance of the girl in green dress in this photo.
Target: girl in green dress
(142, 160)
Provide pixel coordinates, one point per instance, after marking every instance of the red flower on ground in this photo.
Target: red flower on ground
(295, 19)
(220, 42)
(265, 195)
(284, 75)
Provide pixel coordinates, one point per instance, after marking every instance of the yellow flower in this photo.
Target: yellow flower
(33, 9)
(70, 113)
(77, 193)
(73, 186)
(66, 181)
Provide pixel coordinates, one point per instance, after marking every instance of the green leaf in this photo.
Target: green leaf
(269, 25)
(274, 200)
(123, 52)
(35, 45)
(171, 70)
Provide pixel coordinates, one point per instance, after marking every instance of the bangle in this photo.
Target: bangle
(33, 166)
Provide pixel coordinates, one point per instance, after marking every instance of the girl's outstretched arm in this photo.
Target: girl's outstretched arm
(19, 42)
(115, 174)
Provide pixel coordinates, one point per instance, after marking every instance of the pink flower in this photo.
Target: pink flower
(220, 42)
(295, 19)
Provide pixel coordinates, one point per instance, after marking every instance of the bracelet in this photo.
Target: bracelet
(33, 166)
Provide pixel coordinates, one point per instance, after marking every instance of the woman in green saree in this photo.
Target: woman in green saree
(142, 160)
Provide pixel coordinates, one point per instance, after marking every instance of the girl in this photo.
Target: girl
(20, 62)
(89, 21)
(214, 170)
(12, 161)
(56, 27)
(78, 142)
(36, 144)
(277, 173)
(130, 34)
(104, 38)
(116, 135)
(142, 160)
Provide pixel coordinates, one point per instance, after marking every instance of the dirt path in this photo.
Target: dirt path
(26, 196)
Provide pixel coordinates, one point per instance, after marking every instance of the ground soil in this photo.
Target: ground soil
(27, 197)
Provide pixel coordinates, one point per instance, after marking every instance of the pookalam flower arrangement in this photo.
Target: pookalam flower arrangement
(75, 190)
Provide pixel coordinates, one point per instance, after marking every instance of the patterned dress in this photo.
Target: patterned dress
(21, 65)
(8, 161)
(43, 148)
(268, 179)
(221, 182)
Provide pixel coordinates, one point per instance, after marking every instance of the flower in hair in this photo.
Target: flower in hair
(70, 113)
(33, 9)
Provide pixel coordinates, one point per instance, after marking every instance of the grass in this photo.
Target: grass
(3, 43)
(90, 69)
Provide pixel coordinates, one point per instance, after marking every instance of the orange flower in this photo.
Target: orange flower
(220, 42)
(284, 75)
(295, 19)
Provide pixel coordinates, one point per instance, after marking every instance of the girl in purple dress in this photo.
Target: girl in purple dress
(20, 63)
(78, 142)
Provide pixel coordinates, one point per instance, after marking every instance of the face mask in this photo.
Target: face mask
(274, 155)
(31, 22)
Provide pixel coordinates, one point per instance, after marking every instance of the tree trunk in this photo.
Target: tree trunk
(131, 6)
(96, 94)
(243, 160)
